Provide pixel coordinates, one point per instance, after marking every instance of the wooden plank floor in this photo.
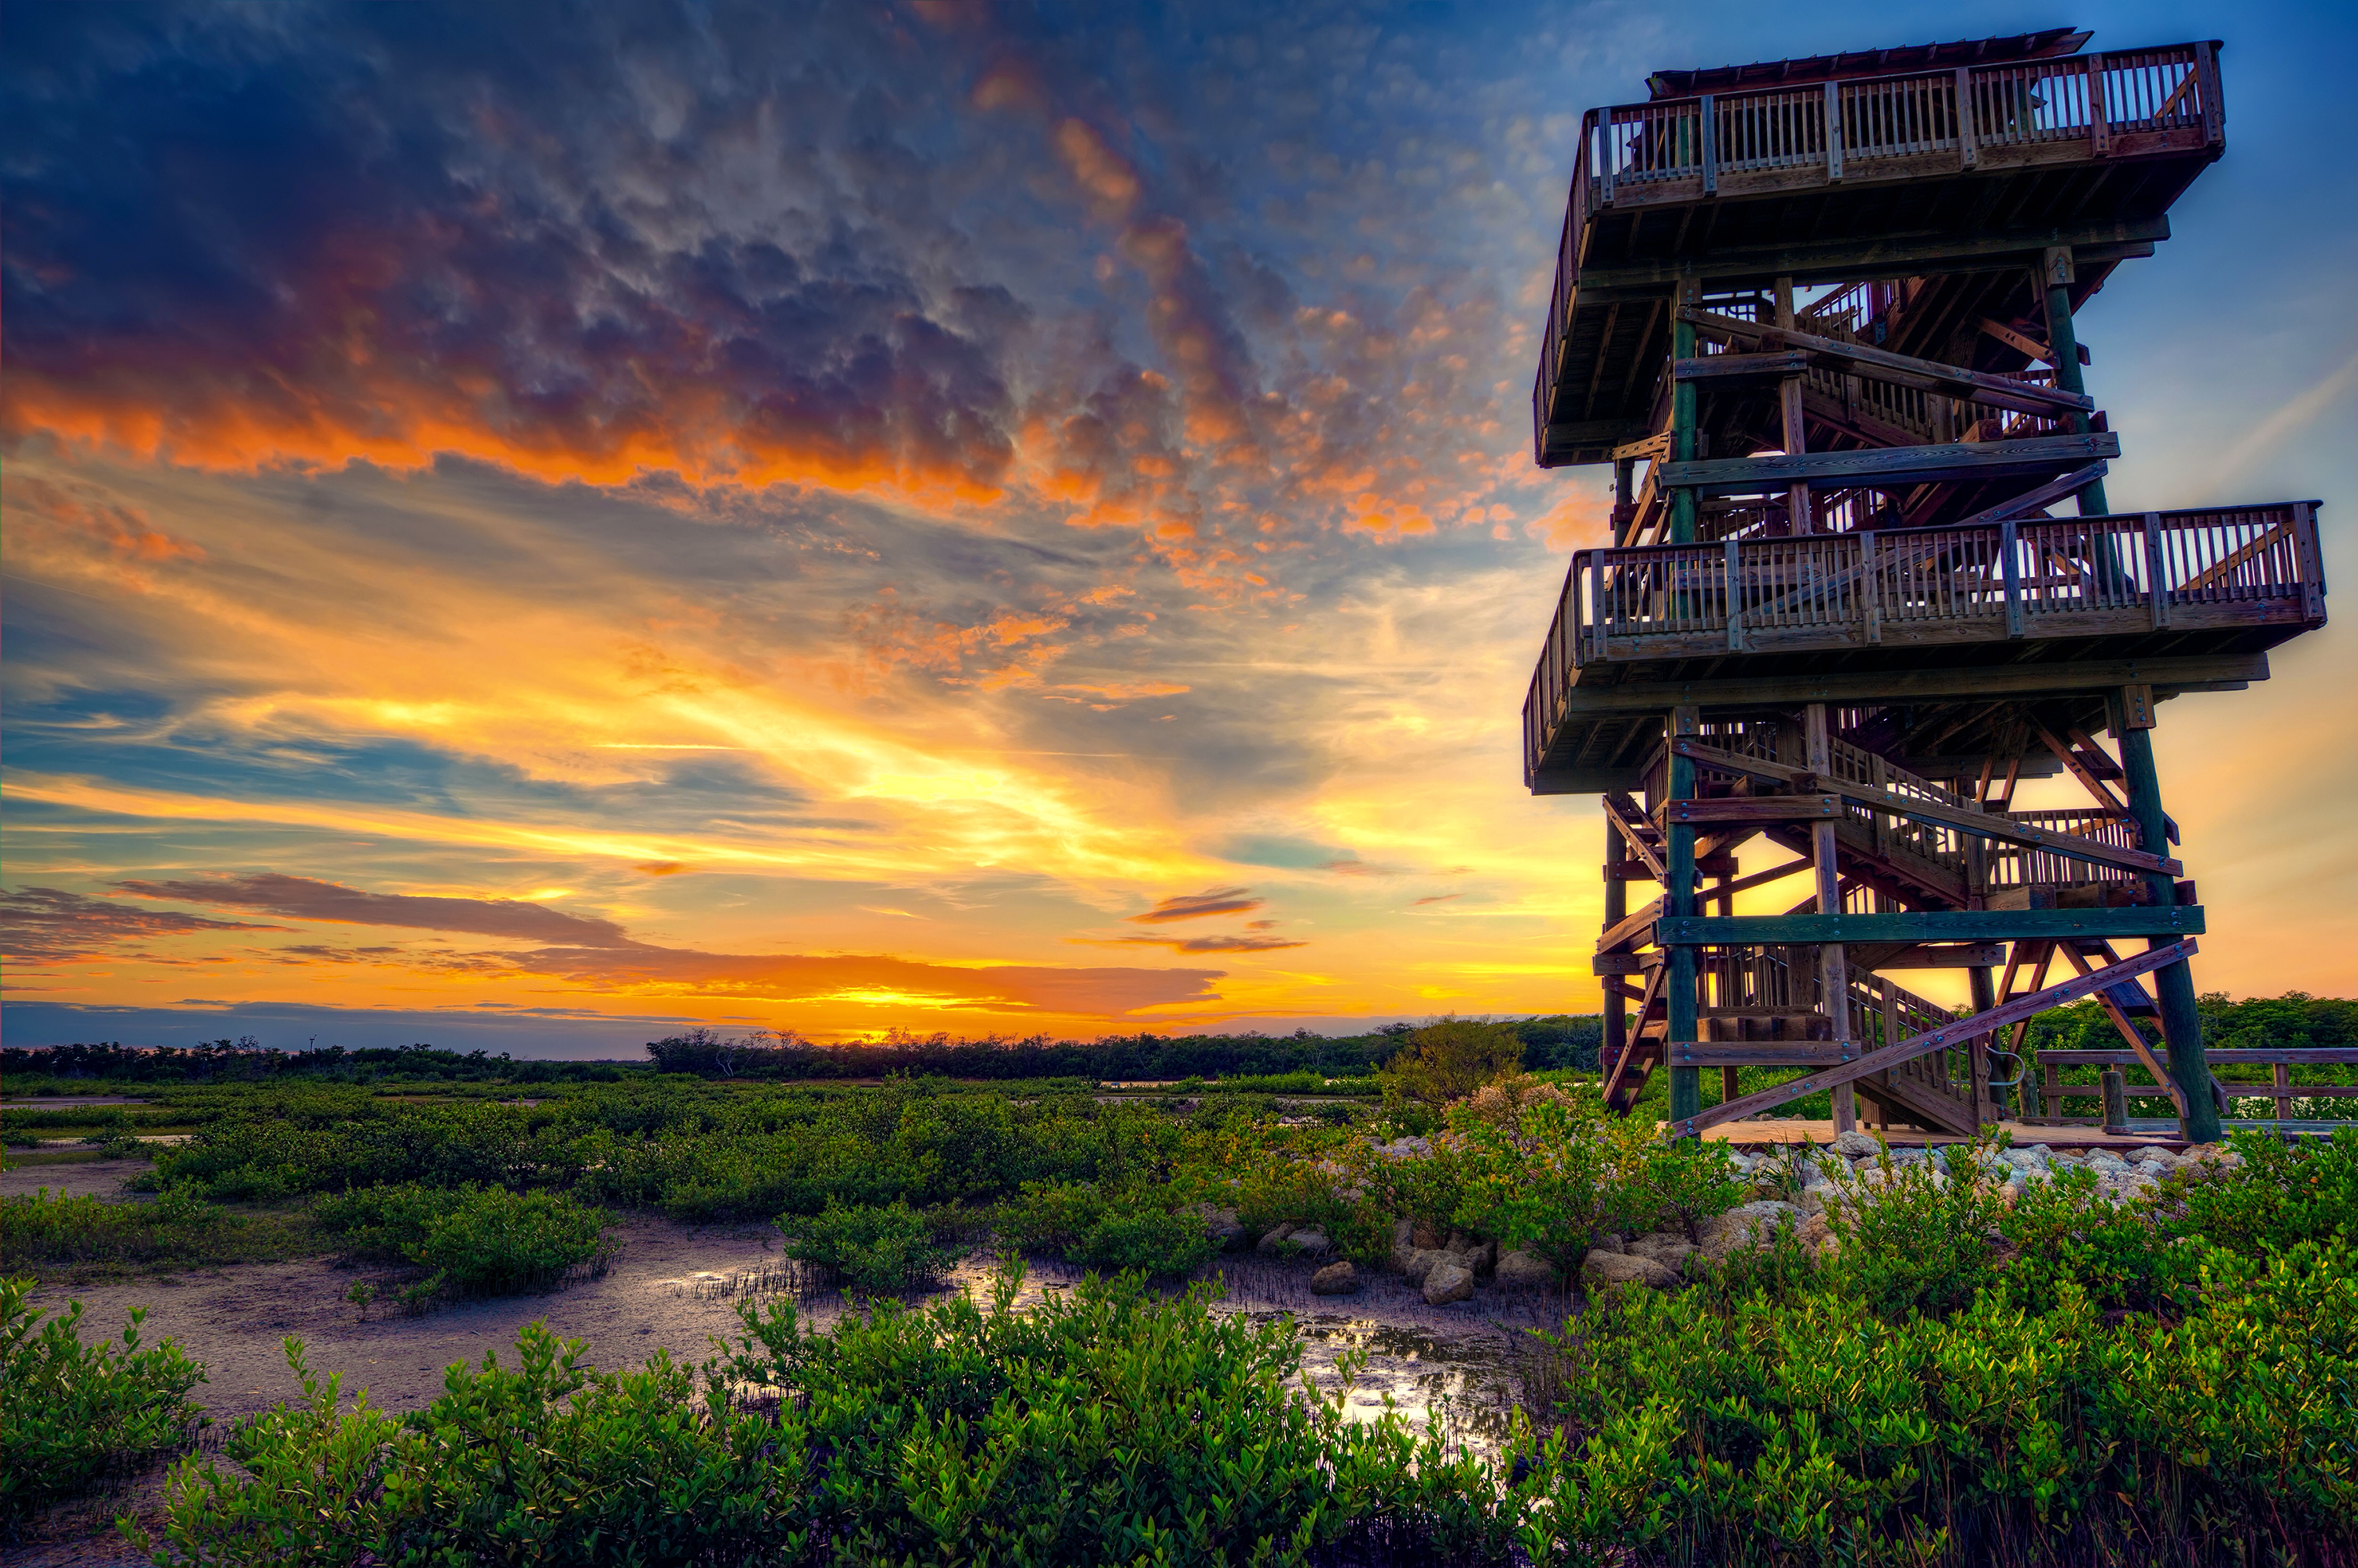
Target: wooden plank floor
(1777, 1130)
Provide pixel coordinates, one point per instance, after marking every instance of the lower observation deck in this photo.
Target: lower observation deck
(1957, 614)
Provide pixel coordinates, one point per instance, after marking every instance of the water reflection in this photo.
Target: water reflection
(1461, 1363)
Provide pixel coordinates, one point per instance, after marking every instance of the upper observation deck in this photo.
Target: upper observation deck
(1953, 165)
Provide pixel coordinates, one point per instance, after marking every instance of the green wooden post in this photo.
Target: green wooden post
(1683, 421)
(2057, 273)
(2173, 984)
(1617, 909)
(1679, 898)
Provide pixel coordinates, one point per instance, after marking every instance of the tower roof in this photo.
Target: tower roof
(2043, 45)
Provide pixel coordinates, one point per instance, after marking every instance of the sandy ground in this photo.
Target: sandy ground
(71, 1178)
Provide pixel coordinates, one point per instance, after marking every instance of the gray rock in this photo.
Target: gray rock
(1335, 1280)
(1447, 1283)
(1600, 1270)
(1855, 1145)
(1672, 1251)
(1747, 1227)
(1817, 1234)
(1520, 1271)
(1424, 1260)
(1426, 1236)
(1220, 1224)
(1271, 1242)
(1311, 1241)
(1608, 1242)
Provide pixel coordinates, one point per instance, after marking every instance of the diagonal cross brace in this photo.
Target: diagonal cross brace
(1947, 1034)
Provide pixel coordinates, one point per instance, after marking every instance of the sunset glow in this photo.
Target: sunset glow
(913, 517)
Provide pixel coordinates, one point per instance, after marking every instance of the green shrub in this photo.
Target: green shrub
(1147, 1241)
(1809, 1428)
(71, 1411)
(2286, 1193)
(1448, 1061)
(1553, 1170)
(1082, 1223)
(1107, 1425)
(475, 1241)
(870, 1247)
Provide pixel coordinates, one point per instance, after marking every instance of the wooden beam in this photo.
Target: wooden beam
(2230, 1056)
(1741, 367)
(1900, 370)
(1928, 924)
(2122, 1027)
(1888, 466)
(1622, 933)
(1881, 687)
(2021, 343)
(1623, 814)
(2079, 768)
(2032, 500)
(1855, 260)
(1933, 1039)
(1933, 956)
(1833, 960)
(1631, 1049)
(1759, 1054)
(1652, 448)
(1753, 808)
(1983, 824)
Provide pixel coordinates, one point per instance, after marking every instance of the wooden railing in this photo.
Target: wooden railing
(1681, 148)
(1843, 129)
(2044, 577)
(2022, 865)
(2279, 1061)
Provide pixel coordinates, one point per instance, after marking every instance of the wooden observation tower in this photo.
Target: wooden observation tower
(1818, 315)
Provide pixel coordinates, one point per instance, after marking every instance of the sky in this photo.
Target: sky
(533, 526)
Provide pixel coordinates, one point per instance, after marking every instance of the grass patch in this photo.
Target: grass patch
(79, 1240)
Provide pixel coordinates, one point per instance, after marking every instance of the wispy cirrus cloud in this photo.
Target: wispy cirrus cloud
(40, 924)
(308, 898)
(1199, 906)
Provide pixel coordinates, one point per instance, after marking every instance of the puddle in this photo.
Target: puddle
(1461, 1363)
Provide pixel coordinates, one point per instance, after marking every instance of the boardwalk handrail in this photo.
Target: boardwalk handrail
(2042, 575)
(1679, 148)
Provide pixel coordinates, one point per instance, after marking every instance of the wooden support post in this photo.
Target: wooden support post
(2117, 1102)
(1679, 897)
(1797, 513)
(1616, 910)
(1683, 501)
(2173, 985)
(1834, 969)
(2057, 276)
(2282, 1081)
(1985, 995)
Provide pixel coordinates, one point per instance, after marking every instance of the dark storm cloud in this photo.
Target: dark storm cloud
(579, 240)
